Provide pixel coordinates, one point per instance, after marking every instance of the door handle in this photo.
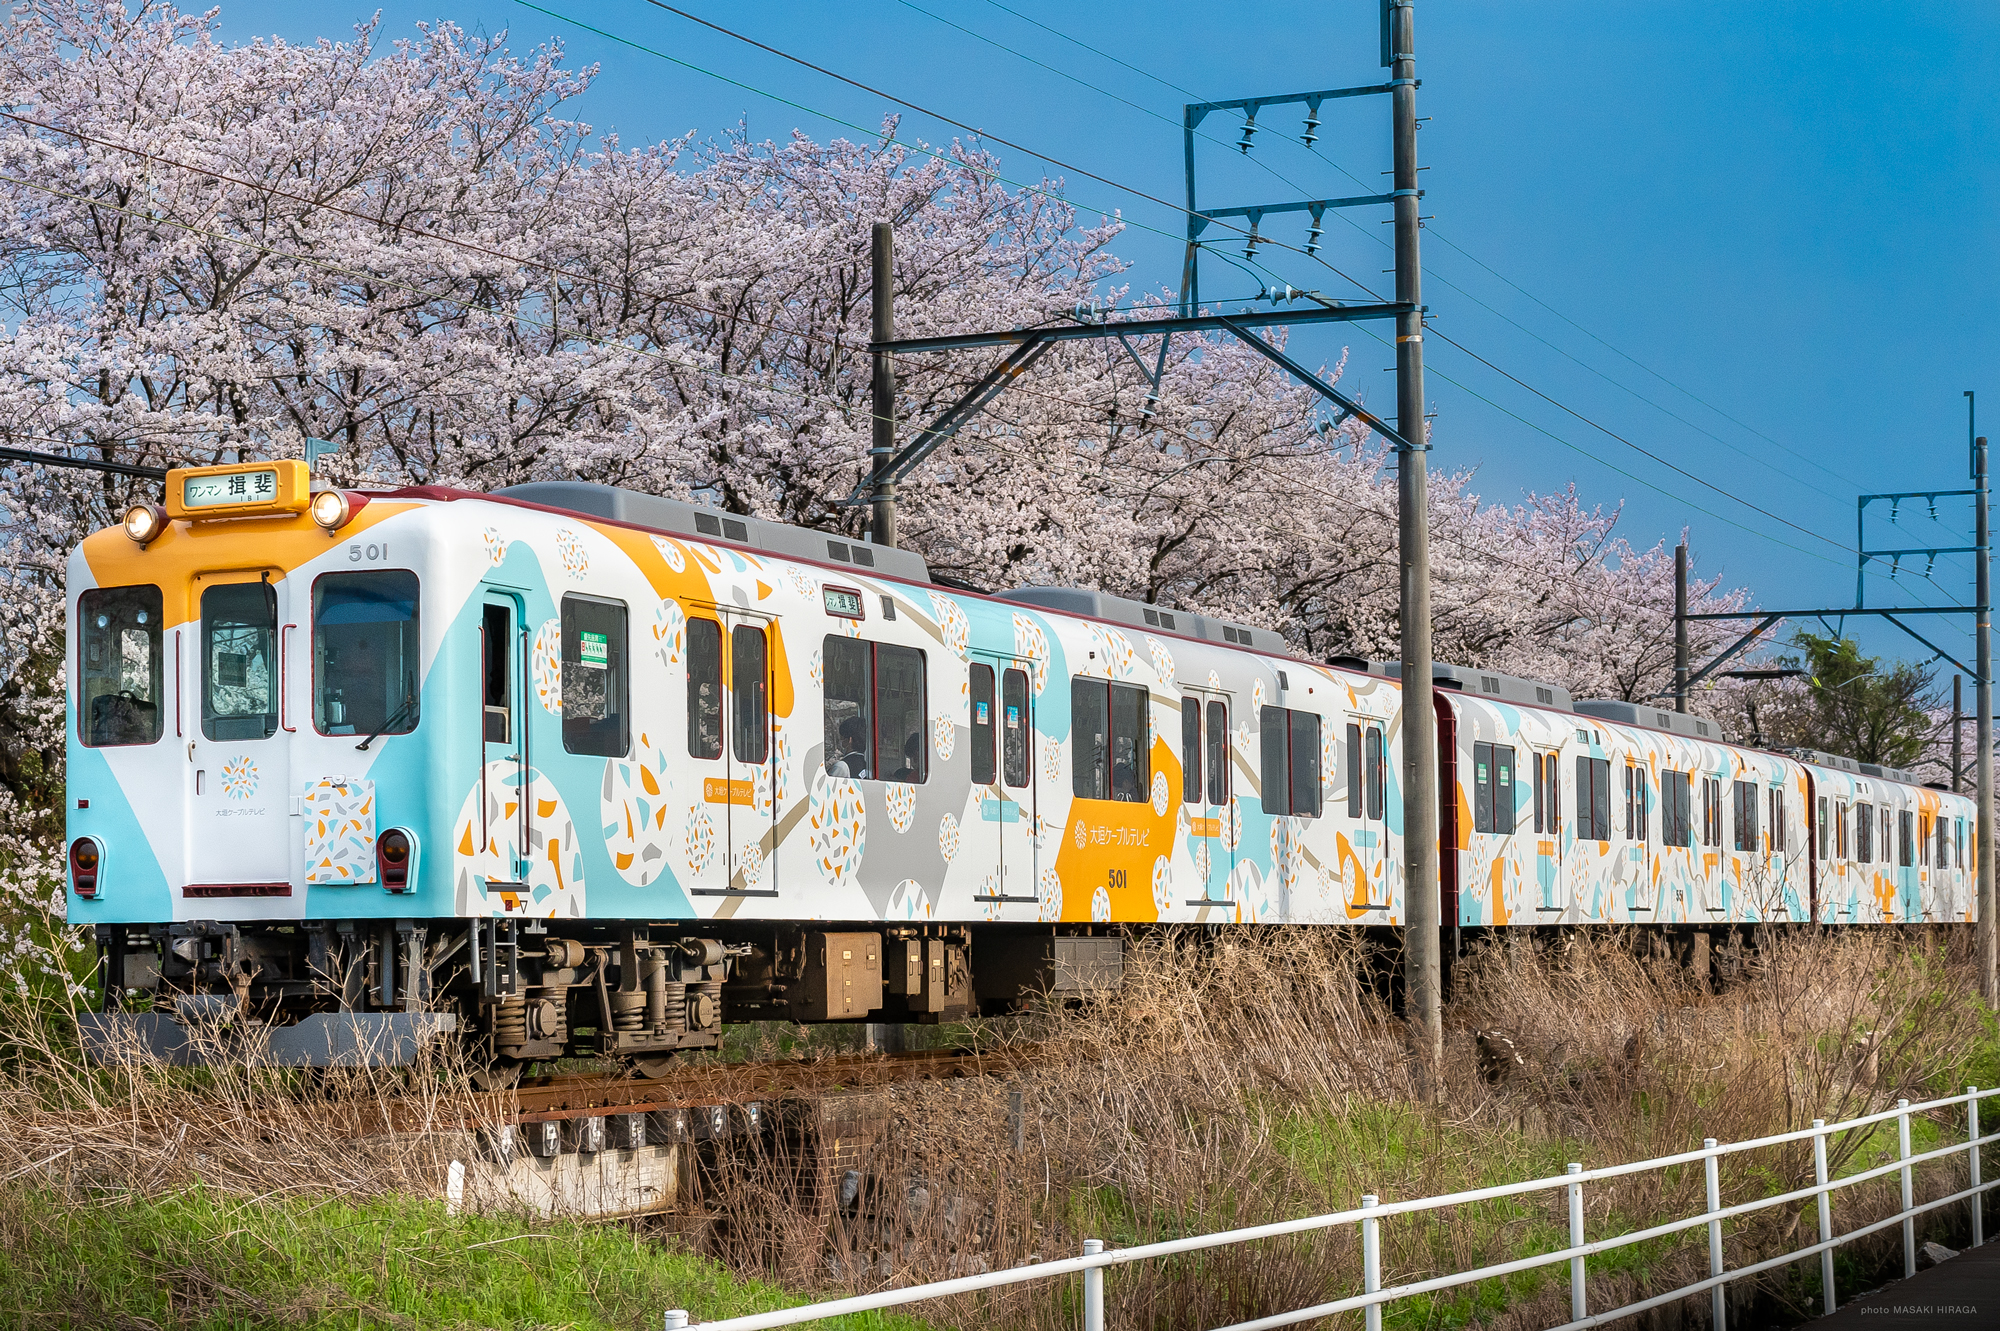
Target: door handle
(285, 677)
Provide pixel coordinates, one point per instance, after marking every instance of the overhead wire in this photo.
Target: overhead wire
(1303, 191)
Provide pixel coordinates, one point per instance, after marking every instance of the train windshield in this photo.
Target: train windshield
(121, 675)
(239, 661)
(366, 653)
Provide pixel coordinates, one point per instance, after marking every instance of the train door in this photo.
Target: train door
(750, 765)
(1003, 776)
(504, 815)
(1364, 755)
(1547, 775)
(239, 773)
(1205, 793)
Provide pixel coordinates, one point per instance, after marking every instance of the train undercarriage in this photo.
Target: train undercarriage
(518, 992)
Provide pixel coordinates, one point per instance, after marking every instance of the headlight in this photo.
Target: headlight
(392, 859)
(145, 521)
(331, 509)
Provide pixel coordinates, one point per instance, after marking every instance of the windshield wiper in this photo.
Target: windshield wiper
(409, 701)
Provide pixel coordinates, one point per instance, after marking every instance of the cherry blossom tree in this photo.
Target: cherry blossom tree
(210, 251)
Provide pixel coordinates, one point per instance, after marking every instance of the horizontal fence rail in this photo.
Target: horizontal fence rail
(1372, 1212)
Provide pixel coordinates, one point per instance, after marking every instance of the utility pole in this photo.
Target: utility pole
(882, 490)
(1989, 984)
(1681, 627)
(1421, 882)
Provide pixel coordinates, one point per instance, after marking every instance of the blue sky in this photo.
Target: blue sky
(1774, 224)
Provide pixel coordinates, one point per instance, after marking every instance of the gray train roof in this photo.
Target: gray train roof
(675, 517)
(1119, 610)
(1465, 679)
(1820, 758)
(1652, 718)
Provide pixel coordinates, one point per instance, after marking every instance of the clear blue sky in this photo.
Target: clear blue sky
(1788, 210)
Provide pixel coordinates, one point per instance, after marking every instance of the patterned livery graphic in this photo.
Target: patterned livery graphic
(339, 816)
(791, 733)
(239, 778)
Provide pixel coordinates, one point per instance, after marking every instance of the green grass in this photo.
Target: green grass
(200, 1262)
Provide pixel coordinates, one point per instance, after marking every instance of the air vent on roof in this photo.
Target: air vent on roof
(673, 517)
(1631, 714)
(1544, 696)
(1117, 609)
(1701, 727)
(1501, 688)
(1489, 684)
(864, 555)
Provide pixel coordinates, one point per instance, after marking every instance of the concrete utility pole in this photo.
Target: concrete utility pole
(882, 515)
(1989, 983)
(1421, 882)
(1681, 627)
(1957, 726)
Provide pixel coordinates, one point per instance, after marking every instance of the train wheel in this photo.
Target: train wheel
(652, 1066)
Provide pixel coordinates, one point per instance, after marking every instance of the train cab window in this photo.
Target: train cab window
(1864, 834)
(1593, 798)
(1676, 809)
(1109, 721)
(704, 700)
(1493, 788)
(1014, 728)
(1289, 746)
(121, 673)
(595, 691)
(874, 712)
(1906, 841)
(239, 661)
(367, 652)
(1191, 750)
(1217, 746)
(984, 769)
(749, 683)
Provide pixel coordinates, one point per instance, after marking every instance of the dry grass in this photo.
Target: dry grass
(1250, 1077)
(1236, 1078)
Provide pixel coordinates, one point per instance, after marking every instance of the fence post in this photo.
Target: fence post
(1909, 1189)
(677, 1320)
(1718, 1303)
(1577, 1291)
(1371, 1261)
(1093, 1288)
(1972, 1137)
(1825, 1215)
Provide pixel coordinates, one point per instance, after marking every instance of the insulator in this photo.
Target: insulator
(1312, 237)
(1251, 243)
(1895, 566)
(1311, 136)
(1895, 506)
(1933, 510)
(1249, 128)
(1929, 565)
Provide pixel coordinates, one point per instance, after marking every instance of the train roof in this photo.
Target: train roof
(1652, 718)
(679, 518)
(1119, 610)
(1465, 679)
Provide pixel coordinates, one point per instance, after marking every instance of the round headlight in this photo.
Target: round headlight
(145, 521)
(330, 509)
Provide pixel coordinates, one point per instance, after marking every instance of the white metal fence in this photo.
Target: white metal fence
(1369, 1216)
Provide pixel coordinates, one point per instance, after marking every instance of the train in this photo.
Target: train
(570, 768)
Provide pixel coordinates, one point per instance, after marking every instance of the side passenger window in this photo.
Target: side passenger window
(1108, 723)
(594, 687)
(875, 710)
(1289, 748)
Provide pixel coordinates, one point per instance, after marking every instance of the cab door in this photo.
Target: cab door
(503, 828)
(238, 768)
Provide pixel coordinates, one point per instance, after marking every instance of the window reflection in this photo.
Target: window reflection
(366, 653)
